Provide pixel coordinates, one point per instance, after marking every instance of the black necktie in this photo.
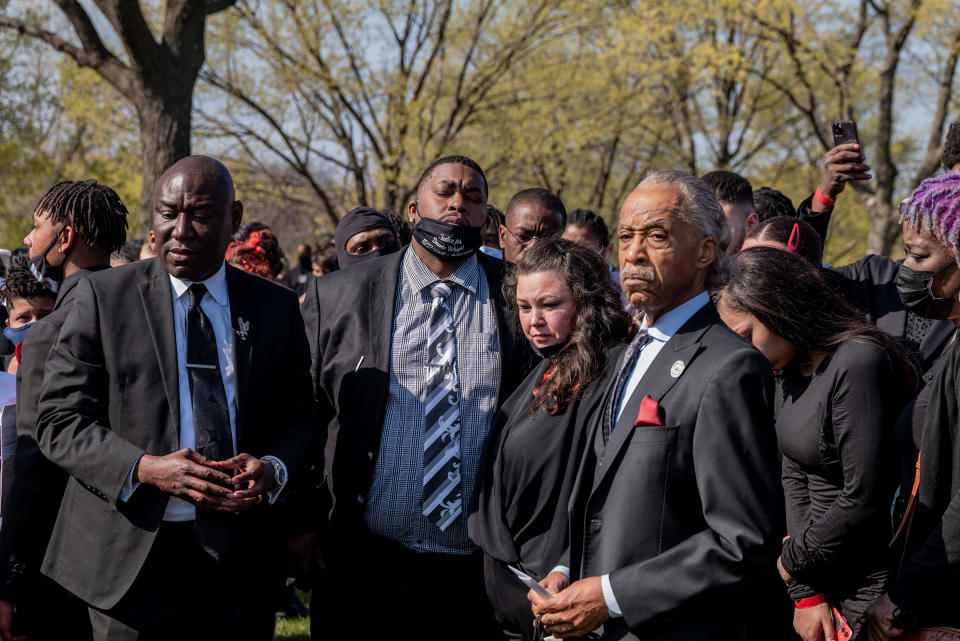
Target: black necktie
(211, 418)
(627, 362)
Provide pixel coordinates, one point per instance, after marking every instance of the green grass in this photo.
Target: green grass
(292, 630)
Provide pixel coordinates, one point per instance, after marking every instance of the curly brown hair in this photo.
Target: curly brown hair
(600, 322)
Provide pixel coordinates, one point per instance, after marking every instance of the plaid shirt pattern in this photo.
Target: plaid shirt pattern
(394, 502)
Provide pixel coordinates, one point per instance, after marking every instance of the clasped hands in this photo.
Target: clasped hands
(575, 610)
(233, 485)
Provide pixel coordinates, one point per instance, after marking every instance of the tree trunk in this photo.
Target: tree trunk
(884, 222)
(165, 139)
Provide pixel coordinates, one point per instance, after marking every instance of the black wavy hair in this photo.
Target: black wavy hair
(600, 323)
(593, 223)
(951, 147)
(769, 202)
(22, 284)
(730, 187)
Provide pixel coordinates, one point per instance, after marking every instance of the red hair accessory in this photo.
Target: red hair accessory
(794, 238)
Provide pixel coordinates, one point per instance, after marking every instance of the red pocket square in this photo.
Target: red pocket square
(649, 414)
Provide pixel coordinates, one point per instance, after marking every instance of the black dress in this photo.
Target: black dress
(836, 435)
(527, 477)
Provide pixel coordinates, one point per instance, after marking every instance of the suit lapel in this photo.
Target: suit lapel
(157, 301)
(243, 320)
(659, 379)
(509, 347)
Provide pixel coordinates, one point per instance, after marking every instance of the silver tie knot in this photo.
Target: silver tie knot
(440, 290)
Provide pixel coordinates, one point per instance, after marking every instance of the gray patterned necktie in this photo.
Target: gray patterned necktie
(627, 362)
(442, 498)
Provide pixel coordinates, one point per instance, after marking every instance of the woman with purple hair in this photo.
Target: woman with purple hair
(926, 591)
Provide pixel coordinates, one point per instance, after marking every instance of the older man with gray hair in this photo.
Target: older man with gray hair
(678, 500)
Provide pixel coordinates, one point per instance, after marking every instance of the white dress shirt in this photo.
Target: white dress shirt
(660, 332)
(216, 305)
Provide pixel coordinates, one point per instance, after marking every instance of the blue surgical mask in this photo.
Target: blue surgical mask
(17, 334)
(491, 251)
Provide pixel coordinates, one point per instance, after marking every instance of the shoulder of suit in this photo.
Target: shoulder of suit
(260, 285)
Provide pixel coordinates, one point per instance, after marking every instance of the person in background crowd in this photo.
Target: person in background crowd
(131, 249)
(491, 233)
(149, 248)
(926, 550)
(769, 203)
(163, 370)
(19, 259)
(585, 226)
(324, 260)
(255, 249)
(89, 220)
(950, 159)
(296, 279)
(400, 225)
(364, 233)
(790, 234)
(27, 300)
(841, 385)
(735, 194)
(531, 214)
(558, 299)
(677, 501)
(415, 351)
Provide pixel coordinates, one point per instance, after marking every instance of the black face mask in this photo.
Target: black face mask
(44, 271)
(550, 351)
(353, 259)
(446, 241)
(916, 292)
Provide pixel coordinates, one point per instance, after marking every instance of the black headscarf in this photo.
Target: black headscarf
(358, 221)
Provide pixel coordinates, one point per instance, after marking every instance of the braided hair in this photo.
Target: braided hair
(92, 210)
(935, 205)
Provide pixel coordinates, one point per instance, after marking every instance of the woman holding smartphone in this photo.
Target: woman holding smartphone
(563, 302)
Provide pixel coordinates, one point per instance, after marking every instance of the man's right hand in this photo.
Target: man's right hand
(189, 476)
(6, 623)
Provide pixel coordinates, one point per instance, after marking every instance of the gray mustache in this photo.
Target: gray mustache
(643, 274)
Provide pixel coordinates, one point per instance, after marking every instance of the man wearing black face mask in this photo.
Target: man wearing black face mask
(415, 352)
(362, 234)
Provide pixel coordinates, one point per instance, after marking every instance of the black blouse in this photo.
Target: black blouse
(835, 430)
(528, 474)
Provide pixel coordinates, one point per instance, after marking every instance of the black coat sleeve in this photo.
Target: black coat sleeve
(819, 220)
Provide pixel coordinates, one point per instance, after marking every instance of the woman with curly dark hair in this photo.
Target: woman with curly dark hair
(255, 249)
(562, 301)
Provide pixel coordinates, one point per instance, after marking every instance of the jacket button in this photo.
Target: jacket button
(359, 498)
(596, 524)
(370, 456)
(600, 462)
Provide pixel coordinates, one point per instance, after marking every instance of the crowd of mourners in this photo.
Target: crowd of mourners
(457, 423)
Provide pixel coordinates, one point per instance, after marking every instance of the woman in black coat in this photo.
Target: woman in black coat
(563, 302)
(841, 384)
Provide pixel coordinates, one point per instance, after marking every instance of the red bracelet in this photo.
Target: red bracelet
(827, 202)
(810, 602)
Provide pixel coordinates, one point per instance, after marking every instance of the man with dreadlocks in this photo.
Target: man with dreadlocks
(76, 226)
(927, 544)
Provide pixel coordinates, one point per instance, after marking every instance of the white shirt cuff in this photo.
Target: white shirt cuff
(608, 596)
(281, 480)
(562, 569)
(130, 485)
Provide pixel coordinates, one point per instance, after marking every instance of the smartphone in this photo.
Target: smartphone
(845, 131)
(840, 627)
(530, 583)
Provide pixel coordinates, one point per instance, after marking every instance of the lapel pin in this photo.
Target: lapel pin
(677, 369)
(243, 328)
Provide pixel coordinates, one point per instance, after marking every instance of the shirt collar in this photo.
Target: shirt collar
(670, 323)
(422, 277)
(216, 285)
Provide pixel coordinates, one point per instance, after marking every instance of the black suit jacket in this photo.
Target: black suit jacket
(37, 489)
(111, 392)
(870, 285)
(679, 515)
(349, 316)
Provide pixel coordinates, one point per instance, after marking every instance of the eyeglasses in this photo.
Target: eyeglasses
(526, 239)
